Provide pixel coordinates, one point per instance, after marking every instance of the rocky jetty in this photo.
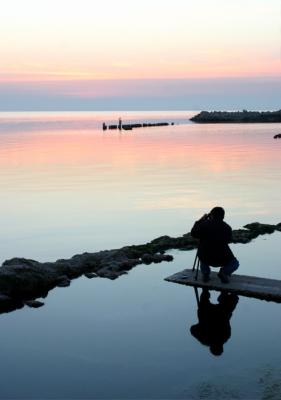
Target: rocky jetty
(278, 136)
(237, 117)
(23, 280)
(129, 127)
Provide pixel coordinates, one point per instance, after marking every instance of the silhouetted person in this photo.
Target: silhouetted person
(120, 124)
(214, 235)
(213, 328)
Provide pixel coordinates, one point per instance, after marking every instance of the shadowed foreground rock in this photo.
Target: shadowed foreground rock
(22, 280)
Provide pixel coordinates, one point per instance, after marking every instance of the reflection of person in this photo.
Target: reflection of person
(213, 328)
(214, 235)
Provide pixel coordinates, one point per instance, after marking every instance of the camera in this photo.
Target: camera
(205, 217)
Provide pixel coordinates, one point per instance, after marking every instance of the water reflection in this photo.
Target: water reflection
(54, 166)
(213, 328)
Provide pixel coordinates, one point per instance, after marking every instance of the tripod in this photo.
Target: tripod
(196, 265)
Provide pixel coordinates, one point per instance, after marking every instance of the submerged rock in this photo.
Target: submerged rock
(90, 275)
(63, 282)
(260, 229)
(156, 258)
(34, 303)
(23, 280)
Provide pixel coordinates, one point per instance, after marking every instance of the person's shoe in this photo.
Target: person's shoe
(206, 277)
(223, 277)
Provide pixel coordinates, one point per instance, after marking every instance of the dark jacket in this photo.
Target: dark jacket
(214, 236)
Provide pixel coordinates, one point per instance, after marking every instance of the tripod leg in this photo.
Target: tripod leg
(197, 268)
(195, 261)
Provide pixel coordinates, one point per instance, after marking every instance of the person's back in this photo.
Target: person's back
(213, 250)
(214, 237)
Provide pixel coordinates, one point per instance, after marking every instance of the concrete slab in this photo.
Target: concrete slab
(250, 286)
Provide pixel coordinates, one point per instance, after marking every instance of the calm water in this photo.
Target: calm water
(69, 187)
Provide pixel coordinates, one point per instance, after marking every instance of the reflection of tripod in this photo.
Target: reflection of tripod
(196, 265)
(196, 295)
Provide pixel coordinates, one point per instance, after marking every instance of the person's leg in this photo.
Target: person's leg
(227, 270)
(232, 266)
(206, 270)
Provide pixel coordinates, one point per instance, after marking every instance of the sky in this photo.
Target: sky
(148, 54)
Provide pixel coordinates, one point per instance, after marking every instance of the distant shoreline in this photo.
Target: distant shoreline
(244, 116)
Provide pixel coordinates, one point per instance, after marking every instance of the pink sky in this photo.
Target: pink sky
(44, 44)
(85, 39)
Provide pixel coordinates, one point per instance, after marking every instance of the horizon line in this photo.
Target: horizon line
(73, 79)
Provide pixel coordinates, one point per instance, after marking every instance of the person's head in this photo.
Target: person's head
(217, 213)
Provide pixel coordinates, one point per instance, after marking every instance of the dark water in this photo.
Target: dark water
(69, 190)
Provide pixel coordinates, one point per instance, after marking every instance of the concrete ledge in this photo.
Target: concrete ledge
(249, 286)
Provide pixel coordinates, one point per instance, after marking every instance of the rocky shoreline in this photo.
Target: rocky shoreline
(237, 117)
(23, 280)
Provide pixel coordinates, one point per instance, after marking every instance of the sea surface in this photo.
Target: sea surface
(68, 187)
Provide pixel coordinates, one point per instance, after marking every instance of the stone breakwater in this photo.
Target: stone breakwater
(23, 280)
(237, 117)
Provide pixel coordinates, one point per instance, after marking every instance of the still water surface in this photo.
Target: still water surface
(68, 187)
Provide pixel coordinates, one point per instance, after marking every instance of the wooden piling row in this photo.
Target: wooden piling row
(129, 127)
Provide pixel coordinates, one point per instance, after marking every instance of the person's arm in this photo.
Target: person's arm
(197, 227)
